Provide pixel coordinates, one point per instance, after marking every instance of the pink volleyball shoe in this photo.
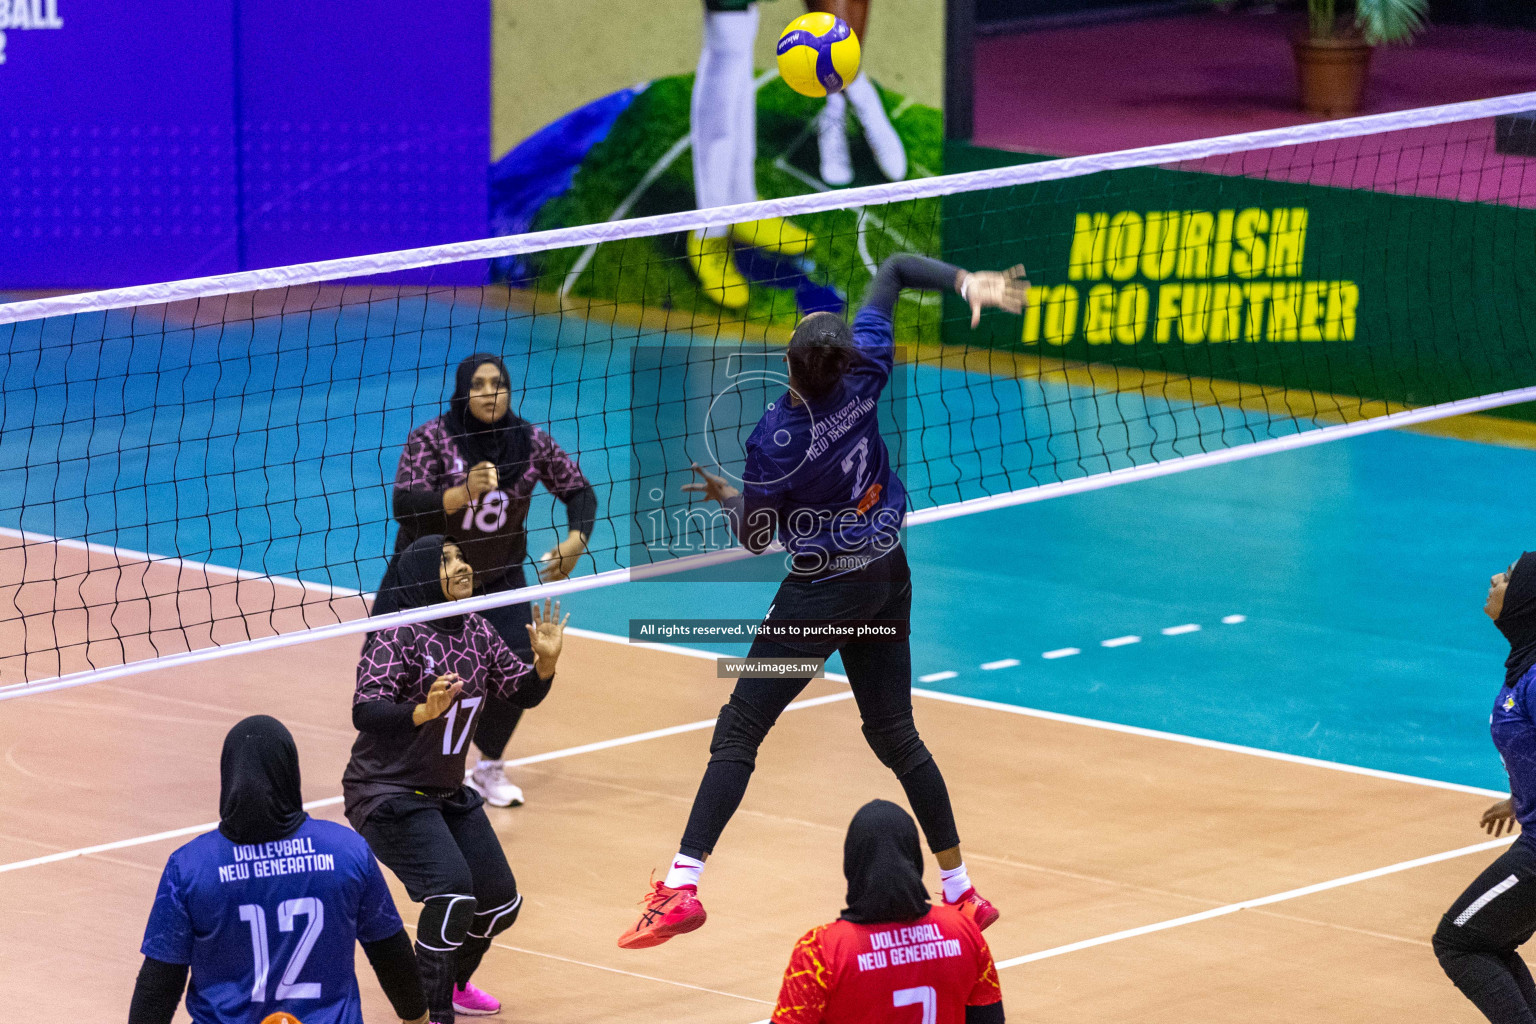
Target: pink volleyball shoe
(473, 1001)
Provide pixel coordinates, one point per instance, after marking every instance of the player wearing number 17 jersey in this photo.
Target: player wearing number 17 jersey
(819, 478)
(891, 958)
(263, 912)
(420, 691)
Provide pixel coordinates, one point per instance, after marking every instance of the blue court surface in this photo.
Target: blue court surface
(1357, 568)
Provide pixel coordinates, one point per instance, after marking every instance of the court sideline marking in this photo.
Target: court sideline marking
(584, 748)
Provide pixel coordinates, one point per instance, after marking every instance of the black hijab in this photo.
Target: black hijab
(883, 863)
(506, 443)
(259, 797)
(1518, 619)
(414, 580)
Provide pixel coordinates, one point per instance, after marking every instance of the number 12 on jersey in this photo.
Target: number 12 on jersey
(289, 987)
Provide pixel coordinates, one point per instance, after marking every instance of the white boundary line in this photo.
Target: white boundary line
(541, 591)
(1261, 901)
(27, 537)
(693, 220)
(692, 652)
(553, 755)
(1196, 741)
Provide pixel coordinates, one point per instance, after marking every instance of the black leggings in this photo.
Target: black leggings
(445, 848)
(1477, 937)
(500, 717)
(880, 675)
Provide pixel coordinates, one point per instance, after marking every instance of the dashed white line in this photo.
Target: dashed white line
(1233, 620)
(1188, 627)
(1120, 641)
(934, 677)
(1062, 652)
(1004, 663)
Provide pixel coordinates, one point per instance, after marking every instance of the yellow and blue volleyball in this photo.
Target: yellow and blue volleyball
(818, 54)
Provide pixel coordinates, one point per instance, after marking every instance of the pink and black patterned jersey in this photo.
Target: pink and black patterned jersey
(399, 665)
(492, 532)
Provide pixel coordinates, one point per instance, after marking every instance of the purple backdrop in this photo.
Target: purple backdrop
(362, 127)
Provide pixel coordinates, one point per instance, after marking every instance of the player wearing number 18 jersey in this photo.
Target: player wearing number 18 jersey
(420, 691)
(818, 476)
(891, 958)
(470, 474)
(264, 911)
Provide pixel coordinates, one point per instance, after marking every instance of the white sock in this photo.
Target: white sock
(866, 101)
(881, 135)
(684, 871)
(722, 117)
(956, 882)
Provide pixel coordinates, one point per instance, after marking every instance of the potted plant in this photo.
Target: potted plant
(1333, 55)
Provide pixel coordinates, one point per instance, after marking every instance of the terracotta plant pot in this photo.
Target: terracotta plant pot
(1331, 73)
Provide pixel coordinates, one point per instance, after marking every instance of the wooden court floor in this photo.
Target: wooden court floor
(1076, 832)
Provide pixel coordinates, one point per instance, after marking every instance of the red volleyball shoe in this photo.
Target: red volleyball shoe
(975, 907)
(667, 912)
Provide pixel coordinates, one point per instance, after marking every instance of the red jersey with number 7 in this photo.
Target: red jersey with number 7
(919, 972)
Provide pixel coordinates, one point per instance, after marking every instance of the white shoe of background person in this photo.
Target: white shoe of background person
(881, 135)
(832, 140)
(487, 779)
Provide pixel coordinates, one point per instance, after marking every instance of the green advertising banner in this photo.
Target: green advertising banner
(1360, 293)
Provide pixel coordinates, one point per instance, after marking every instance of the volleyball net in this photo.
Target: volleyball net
(202, 468)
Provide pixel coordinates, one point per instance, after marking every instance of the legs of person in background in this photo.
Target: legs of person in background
(723, 124)
(832, 141)
(1478, 936)
(890, 154)
(499, 719)
(487, 777)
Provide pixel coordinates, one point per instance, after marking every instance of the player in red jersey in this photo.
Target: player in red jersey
(892, 957)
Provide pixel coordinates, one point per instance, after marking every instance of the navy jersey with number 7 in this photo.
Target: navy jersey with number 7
(269, 927)
(822, 472)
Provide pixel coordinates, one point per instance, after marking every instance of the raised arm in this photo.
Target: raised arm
(985, 289)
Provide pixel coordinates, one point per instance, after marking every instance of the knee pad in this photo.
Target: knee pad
(444, 922)
(490, 923)
(897, 744)
(739, 731)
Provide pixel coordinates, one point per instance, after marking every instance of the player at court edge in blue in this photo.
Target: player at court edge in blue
(1478, 937)
(818, 477)
(264, 910)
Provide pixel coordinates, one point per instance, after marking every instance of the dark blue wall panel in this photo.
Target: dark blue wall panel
(362, 127)
(117, 157)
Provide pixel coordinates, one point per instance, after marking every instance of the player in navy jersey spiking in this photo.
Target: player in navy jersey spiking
(421, 689)
(263, 911)
(819, 478)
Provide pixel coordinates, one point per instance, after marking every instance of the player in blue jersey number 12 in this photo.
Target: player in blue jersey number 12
(264, 910)
(819, 478)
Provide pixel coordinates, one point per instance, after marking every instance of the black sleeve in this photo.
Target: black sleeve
(394, 963)
(992, 1013)
(157, 993)
(420, 513)
(906, 270)
(581, 511)
(382, 716)
(531, 690)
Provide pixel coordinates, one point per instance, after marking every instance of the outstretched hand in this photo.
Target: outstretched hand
(1499, 818)
(715, 488)
(547, 636)
(1007, 290)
